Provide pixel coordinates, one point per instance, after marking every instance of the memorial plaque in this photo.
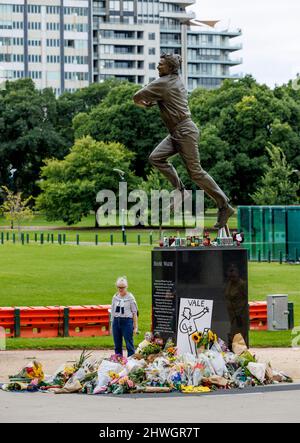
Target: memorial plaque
(213, 273)
(164, 295)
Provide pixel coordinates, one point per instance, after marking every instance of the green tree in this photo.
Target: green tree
(245, 116)
(70, 104)
(118, 119)
(277, 187)
(27, 134)
(69, 186)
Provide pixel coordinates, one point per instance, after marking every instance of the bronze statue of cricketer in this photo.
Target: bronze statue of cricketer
(169, 93)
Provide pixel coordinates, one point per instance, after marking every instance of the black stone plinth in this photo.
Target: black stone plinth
(210, 273)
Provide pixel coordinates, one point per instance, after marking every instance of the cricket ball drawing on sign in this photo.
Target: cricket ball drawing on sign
(194, 316)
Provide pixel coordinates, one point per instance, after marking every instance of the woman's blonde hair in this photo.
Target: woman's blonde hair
(122, 280)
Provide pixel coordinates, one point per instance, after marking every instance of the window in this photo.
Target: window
(16, 25)
(151, 35)
(53, 59)
(5, 57)
(151, 51)
(53, 42)
(152, 66)
(69, 43)
(35, 75)
(76, 59)
(34, 25)
(18, 74)
(114, 5)
(128, 6)
(34, 9)
(16, 8)
(6, 41)
(106, 64)
(34, 58)
(77, 76)
(106, 49)
(107, 33)
(53, 9)
(124, 50)
(4, 24)
(75, 11)
(52, 26)
(79, 27)
(34, 42)
(6, 9)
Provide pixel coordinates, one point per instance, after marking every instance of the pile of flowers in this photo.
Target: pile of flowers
(155, 367)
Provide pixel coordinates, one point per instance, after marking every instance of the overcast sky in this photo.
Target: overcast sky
(271, 35)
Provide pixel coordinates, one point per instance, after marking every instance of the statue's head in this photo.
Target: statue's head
(169, 64)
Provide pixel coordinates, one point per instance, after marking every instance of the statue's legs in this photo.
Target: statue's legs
(159, 159)
(184, 140)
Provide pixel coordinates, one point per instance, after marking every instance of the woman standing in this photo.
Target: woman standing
(124, 317)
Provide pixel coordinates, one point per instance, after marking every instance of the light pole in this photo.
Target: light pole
(122, 178)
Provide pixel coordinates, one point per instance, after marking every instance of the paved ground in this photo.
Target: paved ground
(280, 403)
(282, 406)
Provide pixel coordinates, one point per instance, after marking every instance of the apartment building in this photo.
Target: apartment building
(48, 41)
(128, 37)
(68, 44)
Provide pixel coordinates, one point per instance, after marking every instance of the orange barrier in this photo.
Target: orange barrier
(7, 321)
(55, 321)
(89, 321)
(258, 315)
(41, 321)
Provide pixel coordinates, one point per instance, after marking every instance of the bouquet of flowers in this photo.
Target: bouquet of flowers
(30, 372)
(116, 358)
(205, 339)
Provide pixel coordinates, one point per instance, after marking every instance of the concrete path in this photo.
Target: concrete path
(269, 406)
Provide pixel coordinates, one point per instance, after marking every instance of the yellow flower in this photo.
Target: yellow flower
(210, 335)
(196, 337)
(113, 374)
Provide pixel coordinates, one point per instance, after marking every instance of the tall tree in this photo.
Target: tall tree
(277, 187)
(27, 134)
(69, 186)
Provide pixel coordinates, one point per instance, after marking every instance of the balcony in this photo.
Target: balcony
(222, 61)
(182, 16)
(196, 45)
(206, 75)
(182, 3)
(171, 28)
(99, 11)
(170, 43)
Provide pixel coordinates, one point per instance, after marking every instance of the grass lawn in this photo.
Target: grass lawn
(89, 221)
(69, 275)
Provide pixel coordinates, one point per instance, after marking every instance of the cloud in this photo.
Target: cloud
(271, 34)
